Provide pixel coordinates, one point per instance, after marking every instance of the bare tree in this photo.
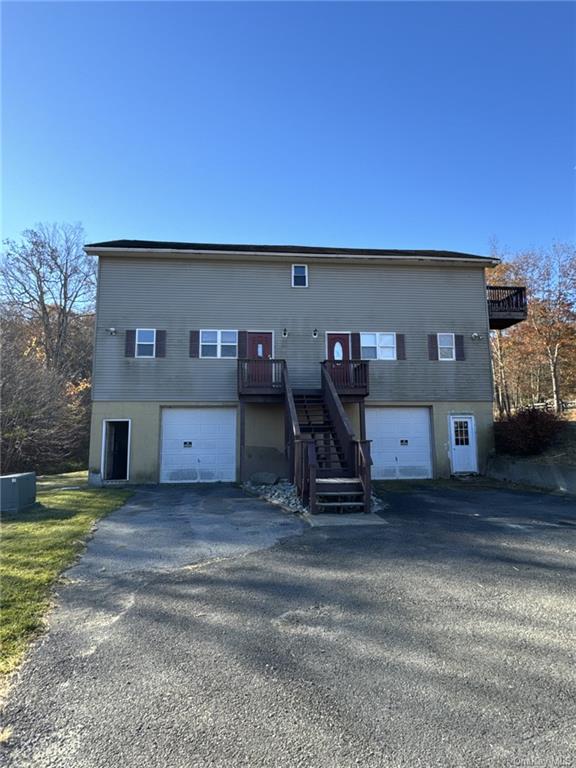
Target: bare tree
(49, 280)
(536, 358)
(500, 371)
(47, 286)
(551, 280)
(44, 418)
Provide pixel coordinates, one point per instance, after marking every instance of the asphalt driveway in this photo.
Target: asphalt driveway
(206, 628)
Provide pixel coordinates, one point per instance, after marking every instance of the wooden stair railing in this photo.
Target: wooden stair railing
(303, 460)
(300, 448)
(357, 452)
(364, 463)
(291, 425)
(339, 417)
(310, 473)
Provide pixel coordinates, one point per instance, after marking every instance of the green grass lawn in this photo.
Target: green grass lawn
(37, 545)
(66, 480)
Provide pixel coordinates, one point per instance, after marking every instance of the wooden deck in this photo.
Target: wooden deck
(507, 305)
(262, 380)
(350, 377)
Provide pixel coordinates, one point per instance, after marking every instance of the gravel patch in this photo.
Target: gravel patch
(284, 494)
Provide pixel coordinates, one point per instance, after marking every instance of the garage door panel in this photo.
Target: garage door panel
(400, 442)
(198, 445)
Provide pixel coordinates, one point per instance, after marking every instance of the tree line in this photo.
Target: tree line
(535, 361)
(48, 286)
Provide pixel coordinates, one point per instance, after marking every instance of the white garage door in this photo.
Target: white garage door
(400, 442)
(198, 445)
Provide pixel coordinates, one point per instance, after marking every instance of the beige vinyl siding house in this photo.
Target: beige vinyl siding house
(177, 296)
(424, 313)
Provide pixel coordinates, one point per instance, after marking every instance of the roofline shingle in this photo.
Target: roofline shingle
(162, 245)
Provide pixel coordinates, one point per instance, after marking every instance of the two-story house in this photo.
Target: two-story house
(327, 365)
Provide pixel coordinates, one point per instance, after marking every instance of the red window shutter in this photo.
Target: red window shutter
(459, 346)
(242, 344)
(432, 347)
(356, 350)
(160, 343)
(400, 346)
(194, 343)
(130, 344)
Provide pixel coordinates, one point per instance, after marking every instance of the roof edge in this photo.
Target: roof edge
(225, 250)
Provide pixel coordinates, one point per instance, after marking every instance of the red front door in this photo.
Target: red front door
(259, 345)
(259, 351)
(339, 354)
(339, 346)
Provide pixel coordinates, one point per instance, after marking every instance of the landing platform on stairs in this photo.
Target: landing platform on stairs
(324, 519)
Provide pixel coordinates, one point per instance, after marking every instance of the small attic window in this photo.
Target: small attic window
(299, 276)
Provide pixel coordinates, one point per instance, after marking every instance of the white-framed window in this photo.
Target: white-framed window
(299, 276)
(145, 342)
(446, 346)
(219, 344)
(378, 346)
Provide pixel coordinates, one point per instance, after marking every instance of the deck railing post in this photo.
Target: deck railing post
(312, 473)
(364, 471)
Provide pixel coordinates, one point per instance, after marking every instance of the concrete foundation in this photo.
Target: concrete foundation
(555, 477)
(264, 434)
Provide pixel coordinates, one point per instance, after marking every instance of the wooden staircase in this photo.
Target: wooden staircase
(332, 483)
(314, 420)
(329, 466)
(340, 494)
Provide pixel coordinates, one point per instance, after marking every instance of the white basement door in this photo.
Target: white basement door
(198, 445)
(400, 442)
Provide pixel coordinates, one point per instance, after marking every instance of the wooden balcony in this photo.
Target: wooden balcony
(261, 378)
(350, 377)
(506, 305)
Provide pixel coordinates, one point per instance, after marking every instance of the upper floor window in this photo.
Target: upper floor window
(446, 346)
(378, 346)
(299, 276)
(218, 343)
(145, 342)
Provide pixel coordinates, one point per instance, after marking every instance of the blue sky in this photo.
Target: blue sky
(402, 125)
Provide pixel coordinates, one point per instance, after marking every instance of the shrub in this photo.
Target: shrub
(527, 432)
